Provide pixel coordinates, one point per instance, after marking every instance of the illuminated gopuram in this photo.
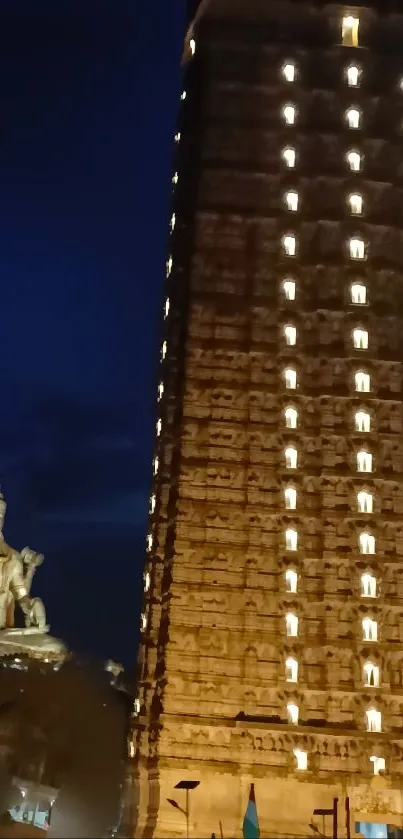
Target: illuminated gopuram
(272, 626)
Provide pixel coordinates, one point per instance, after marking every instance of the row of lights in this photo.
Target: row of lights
(363, 459)
(362, 419)
(360, 340)
(362, 380)
(356, 249)
(369, 627)
(356, 246)
(369, 585)
(354, 201)
(359, 337)
(164, 346)
(352, 116)
(366, 541)
(160, 388)
(160, 392)
(378, 763)
(352, 73)
(358, 291)
(364, 499)
(354, 159)
(370, 673)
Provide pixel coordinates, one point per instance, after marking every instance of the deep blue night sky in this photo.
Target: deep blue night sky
(90, 91)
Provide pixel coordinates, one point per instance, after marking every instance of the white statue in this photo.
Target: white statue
(16, 574)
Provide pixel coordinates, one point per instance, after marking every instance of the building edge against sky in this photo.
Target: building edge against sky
(272, 640)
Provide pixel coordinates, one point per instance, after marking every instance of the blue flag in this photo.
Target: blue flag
(250, 822)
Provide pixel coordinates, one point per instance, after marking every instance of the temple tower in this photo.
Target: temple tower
(272, 633)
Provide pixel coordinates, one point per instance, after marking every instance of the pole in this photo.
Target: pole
(187, 814)
(335, 806)
(348, 824)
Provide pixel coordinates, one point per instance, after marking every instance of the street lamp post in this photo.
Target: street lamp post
(187, 786)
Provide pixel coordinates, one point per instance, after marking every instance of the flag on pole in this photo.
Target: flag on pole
(250, 822)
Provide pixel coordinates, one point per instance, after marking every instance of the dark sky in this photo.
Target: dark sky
(89, 96)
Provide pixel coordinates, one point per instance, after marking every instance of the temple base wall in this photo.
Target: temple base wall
(285, 804)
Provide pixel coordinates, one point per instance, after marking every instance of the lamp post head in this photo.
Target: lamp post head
(187, 785)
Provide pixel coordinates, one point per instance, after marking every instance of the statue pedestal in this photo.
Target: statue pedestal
(32, 642)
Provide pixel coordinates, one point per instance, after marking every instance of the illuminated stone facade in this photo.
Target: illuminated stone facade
(272, 633)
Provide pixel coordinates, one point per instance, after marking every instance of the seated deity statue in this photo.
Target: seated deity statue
(17, 571)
